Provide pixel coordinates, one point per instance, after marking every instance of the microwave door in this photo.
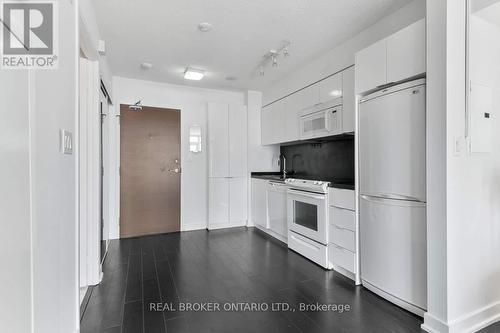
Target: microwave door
(315, 125)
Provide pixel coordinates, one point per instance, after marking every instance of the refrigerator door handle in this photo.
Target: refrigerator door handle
(393, 197)
(394, 202)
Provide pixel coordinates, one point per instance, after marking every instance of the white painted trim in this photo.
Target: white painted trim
(194, 226)
(470, 322)
(223, 225)
(89, 175)
(272, 233)
(434, 325)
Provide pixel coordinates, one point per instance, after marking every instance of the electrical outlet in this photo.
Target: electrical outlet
(66, 142)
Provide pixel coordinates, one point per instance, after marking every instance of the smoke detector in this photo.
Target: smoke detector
(146, 65)
(205, 27)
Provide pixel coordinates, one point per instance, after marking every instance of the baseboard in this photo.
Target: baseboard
(215, 226)
(434, 325)
(272, 234)
(194, 226)
(471, 322)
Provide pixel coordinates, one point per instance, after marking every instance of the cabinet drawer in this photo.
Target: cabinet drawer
(343, 258)
(342, 198)
(315, 252)
(343, 237)
(343, 218)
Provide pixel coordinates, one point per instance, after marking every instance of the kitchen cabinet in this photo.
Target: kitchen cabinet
(292, 108)
(218, 214)
(406, 52)
(227, 155)
(348, 101)
(276, 209)
(330, 88)
(371, 66)
(280, 121)
(342, 232)
(267, 125)
(392, 59)
(237, 140)
(238, 201)
(259, 202)
(218, 141)
(272, 123)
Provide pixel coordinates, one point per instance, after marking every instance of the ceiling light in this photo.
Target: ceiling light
(336, 93)
(146, 65)
(194, 74)
(205, 27)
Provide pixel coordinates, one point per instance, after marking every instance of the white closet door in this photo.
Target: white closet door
(218, 127)
(237, 140)
(238, 202)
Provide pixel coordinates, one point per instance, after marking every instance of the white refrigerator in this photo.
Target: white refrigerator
(393, 194)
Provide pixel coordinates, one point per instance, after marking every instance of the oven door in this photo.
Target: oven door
(307, 214)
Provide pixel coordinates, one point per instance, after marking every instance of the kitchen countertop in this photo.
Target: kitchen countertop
(347, 184)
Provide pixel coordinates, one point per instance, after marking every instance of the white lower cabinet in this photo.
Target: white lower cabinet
(227, 202)
(259, 202)
(342, 249)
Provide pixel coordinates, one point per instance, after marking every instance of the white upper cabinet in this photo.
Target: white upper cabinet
(292, 108)
(348, 100)
(267, 125)
(309, 96)
(330, 88)
(237, 140)
(218, 124)
(393, 59)
(371, 66)
(406, 52)
(273, 123)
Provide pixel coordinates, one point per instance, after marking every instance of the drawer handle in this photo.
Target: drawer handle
(340, 228)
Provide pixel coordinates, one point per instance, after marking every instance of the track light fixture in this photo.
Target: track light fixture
(272, 57)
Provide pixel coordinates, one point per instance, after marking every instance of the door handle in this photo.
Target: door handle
(175, 170)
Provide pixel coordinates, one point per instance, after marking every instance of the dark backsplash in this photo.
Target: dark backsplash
(330, 160)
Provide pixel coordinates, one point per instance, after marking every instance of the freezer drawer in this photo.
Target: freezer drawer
(392, 144)
(393, 248)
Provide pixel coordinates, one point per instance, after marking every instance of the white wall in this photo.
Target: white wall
(89, 39)
(193, 105)
(39, 283)
(342, 56)
(464, 209)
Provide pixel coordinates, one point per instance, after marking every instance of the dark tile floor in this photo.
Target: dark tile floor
(237, 265)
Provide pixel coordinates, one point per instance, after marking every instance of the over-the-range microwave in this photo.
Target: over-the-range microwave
(323, 119)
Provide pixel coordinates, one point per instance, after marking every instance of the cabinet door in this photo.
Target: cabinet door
(309, 97)
(371, 67)
(218, 212)
(238, 202)
(330, 88)
(406, 52)
(237, 140)
(266, 125)
(278, 122)
(349, 100)
(218, 127)
(259, 202)
(292, 107)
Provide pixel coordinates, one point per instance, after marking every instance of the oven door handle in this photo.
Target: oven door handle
(307, 194)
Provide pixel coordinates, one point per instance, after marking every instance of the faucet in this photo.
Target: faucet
(282, 164)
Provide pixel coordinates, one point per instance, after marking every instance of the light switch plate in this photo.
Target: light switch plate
(66, 142)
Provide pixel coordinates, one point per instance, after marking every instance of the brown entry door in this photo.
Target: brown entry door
(149, 171)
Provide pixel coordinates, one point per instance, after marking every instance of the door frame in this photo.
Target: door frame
(116, 151)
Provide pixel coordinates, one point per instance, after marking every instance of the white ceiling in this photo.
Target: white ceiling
(165, 33)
